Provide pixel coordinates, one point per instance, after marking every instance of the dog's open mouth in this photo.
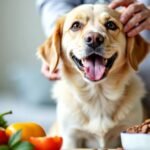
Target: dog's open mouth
(95, 67)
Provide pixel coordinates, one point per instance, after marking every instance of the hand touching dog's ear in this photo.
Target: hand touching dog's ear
(135, 17)
(137, 49)
(49, 52)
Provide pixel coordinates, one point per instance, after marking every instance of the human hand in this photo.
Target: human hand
(135, 17)
(46, 72)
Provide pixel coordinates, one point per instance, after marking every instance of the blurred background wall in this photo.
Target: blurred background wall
(22, 87)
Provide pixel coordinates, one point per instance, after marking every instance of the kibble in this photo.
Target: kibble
(142, 128)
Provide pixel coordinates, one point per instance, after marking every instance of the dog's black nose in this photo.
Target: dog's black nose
(94, 39)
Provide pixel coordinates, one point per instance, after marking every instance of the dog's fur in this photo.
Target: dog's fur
(90, 109)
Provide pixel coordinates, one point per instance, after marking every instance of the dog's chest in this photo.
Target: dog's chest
(88, 109)
(95, 112)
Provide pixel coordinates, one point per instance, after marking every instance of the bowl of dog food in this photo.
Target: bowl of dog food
(137, 137)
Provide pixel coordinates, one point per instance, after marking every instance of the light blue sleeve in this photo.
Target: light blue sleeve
(51, 10)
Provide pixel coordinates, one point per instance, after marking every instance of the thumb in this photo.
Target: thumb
(117, 3)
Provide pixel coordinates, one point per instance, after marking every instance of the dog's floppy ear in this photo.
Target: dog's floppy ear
(49, 52)
(137, 49)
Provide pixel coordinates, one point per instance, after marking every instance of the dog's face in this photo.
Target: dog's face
(92, 41)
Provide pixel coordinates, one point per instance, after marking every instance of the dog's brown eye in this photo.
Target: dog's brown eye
(110, 25)
(76, 26)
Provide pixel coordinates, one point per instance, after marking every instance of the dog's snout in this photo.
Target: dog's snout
(94, 39)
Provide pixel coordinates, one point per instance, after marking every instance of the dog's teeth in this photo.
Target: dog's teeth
(104, 61)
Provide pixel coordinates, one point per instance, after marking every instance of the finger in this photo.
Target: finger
(51, 76)
(44, 69)
(119, 149)
(117, 3)
(148, 23)
(130, 11)
(46, 74)
(54, 76)
(135, 20)
(138, 29)
(56, 70)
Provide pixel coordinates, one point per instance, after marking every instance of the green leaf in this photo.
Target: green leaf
(15, 138)
(23, 146)
(4, 147)
(3, 122)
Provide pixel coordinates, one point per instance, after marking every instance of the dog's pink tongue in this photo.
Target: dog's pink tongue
(94, 68)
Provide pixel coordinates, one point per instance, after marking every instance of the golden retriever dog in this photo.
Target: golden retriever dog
(99, 94)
